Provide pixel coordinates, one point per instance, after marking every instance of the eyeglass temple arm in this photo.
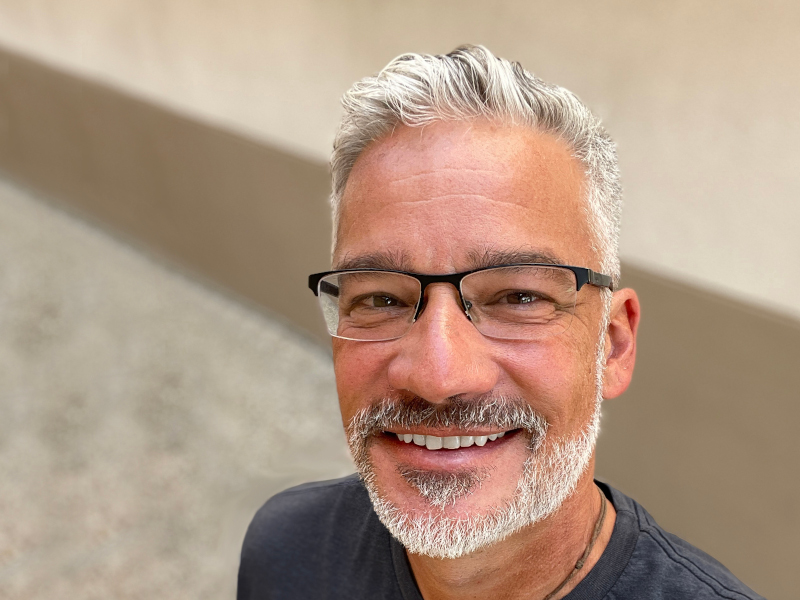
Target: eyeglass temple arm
(317, 285)
(329, 288)
(594, 278)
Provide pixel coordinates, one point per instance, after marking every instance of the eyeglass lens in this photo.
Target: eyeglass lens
(518, 303)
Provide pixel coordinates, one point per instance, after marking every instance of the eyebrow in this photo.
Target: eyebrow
(495, 258)
(398, 261)
(387, 261)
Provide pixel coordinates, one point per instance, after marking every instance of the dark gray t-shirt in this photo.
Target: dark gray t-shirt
(324, 540)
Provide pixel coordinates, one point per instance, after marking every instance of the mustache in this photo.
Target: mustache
(408, 411)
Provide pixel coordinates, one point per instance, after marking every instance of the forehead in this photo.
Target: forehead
(436, 199)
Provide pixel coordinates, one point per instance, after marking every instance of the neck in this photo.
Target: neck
(529, 564)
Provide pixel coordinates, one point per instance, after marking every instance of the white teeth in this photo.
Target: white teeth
(451, 442)
(433, 443)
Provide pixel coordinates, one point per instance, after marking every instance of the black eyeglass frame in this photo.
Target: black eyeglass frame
(583, 276)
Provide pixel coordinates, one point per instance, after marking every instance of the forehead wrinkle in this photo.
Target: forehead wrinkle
(459, 196)
(442, 170)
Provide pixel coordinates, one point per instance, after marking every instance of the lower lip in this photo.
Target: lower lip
(421, 457)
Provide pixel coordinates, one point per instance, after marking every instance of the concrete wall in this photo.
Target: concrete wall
(145, 417)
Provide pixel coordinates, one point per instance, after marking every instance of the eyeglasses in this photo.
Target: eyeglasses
(527, 301)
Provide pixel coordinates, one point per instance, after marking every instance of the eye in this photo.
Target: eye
(376, 301)
(382, 301)
(520, 297)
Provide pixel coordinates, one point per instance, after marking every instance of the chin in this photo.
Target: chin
(453, 512)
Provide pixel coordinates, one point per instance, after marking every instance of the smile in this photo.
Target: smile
(451, 442)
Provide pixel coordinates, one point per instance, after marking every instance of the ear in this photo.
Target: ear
(621, 342)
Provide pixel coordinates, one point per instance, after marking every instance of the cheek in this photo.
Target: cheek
(557, 379)
(360, 370)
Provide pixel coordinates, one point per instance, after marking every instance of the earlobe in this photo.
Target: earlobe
(621, 342)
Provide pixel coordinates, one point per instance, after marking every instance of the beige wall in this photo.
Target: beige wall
(703, 97)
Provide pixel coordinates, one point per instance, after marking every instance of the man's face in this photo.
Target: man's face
(442, 200)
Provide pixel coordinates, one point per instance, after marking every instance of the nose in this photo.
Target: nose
(443, 355)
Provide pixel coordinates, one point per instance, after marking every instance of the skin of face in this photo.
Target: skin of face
(434, 200)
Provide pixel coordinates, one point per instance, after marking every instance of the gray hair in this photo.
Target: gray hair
(469, 83)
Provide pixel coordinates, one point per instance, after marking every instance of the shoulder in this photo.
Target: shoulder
(309, 538)
(310, 506)
(662, 565)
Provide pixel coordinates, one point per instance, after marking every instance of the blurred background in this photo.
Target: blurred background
(163, 189)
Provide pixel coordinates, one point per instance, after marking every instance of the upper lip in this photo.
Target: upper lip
(447, 432)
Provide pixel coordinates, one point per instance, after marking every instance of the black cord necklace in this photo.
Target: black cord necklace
(582, 560)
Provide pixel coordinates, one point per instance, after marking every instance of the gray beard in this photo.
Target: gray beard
(550, 474)
(443, 488)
